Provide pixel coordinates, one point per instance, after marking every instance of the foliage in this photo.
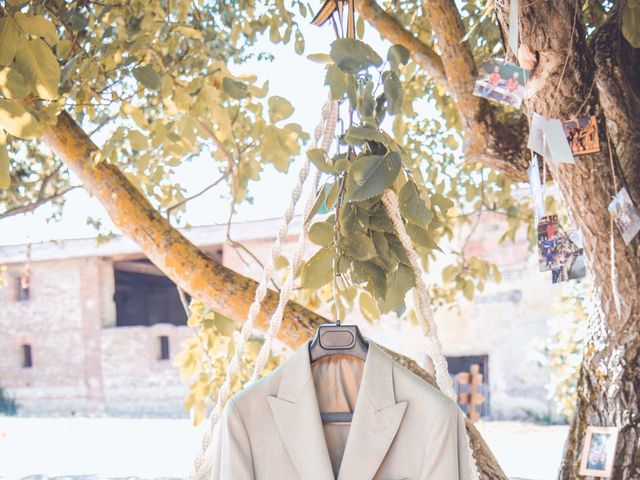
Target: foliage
(152, 82)
(561, 352)
(205, 358)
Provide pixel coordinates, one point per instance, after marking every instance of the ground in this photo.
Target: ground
(105, 448)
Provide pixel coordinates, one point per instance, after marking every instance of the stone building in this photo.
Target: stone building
(90, 328)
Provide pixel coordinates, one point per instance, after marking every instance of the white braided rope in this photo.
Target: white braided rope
(325, 130)
(331, 117)
(425, 312)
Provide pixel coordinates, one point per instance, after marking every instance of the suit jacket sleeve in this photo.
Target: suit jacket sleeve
(232, 459)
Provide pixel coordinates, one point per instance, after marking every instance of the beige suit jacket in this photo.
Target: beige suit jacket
(402, 428)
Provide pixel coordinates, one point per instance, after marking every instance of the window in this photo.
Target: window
(23, 287)
(144, 296)
(27, 360)
(164, 347)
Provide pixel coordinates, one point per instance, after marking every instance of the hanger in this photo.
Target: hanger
(334, 339)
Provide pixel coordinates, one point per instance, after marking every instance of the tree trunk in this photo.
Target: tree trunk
(571, 78)
(222, 289)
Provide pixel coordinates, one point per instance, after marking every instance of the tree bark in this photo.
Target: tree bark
(572, 78)
(222, 289)
(569, 78)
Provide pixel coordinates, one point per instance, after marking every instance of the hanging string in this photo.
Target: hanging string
(203, 461)
(425, 313)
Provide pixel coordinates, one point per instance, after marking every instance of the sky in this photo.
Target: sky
(292, 76)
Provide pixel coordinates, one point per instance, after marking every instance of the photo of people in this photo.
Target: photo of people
(547, 242)
(625, 215)
(598, 450)
(582, 135)
(501, 82)
(569, 261)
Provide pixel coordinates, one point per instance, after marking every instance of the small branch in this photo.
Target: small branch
(34, 205)
(201, 192)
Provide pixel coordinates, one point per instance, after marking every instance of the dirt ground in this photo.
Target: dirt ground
(125, 448)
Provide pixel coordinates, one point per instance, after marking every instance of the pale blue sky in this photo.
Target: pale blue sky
(291, 76)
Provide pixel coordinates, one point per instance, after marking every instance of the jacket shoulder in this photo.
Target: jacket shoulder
(407, 385)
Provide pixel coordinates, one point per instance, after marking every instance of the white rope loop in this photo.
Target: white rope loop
(325, 131)
(425, 312)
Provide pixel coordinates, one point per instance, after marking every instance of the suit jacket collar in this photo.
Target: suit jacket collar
(377, 417)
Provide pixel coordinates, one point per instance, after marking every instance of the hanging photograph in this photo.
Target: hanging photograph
(501, 82)
(625, 215)
(569, 262)
(547, 242)
(598, 451)
(582, 135)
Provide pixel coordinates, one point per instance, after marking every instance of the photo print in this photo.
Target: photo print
(547, 242)
(569, 262)
(582, 135)
(598, 451)
(501, 82)
(625, 215)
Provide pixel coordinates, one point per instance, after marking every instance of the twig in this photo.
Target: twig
(38, 203)
(201, 192)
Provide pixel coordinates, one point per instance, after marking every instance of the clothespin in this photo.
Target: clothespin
(330, 7)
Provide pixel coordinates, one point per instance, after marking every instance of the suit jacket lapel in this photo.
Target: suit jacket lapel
(297, 417)
(376, 419)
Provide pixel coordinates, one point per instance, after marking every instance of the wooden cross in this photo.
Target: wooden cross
(473, 398)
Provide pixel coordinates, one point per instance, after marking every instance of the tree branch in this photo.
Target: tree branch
(498, 145)
(220, 288)
(391, 29)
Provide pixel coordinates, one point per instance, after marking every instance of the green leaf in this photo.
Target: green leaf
(224, 325)
(443, 203)
(467, 290)
(38, 26)
(321, 233)
(5, 178)
(412, 207)
(138, 140)
(319, 158)
(279, 109)
(318, 270)
(234, 88)
(368, 307)
(399, 282)
(9, 34)
(371, 273)
(336, 80)
(320, 58)
(299, 43)
(352, 55)
(420, 237)
(358, 135)
(360, 27)
(17, 121)
(319, 201)
(398, 55)
(12, 83)
(147, 76)
(631, 23)
(39, 67)
(357, 245)
(371, 175)
(393, 92)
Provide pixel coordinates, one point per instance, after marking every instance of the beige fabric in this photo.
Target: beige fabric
(336, 379)
(402, 427)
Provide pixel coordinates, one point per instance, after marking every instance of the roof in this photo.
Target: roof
(121, 246)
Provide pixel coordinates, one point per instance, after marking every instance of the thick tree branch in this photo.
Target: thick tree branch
(498, 145)
(217, 286)
(390, 28)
